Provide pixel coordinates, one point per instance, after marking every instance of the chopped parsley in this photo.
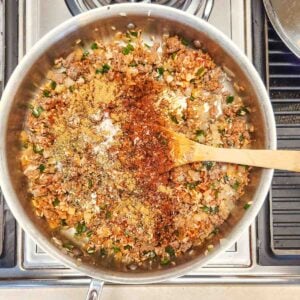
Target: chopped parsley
(46, 93)
(246, 206)
(236, 185)
(80, 228)
(126, 50)
(134, 33)
(133, 64)
(192, 98)
(116, 249)
(36, 112)
(68, 246)
(102, 252)
(200, 133)
(173, 119)
(160, 71)
(147, 46)
(170, 250)
(89, 233)
(94, 46)
(55, 202)
(242, 111)
(42, 168)
(184, 42)
(108, 215)
(90, 183)
(85, 54)
(71, 88)
(165, 261)
(37, 149)
(211, 209)
(105, 68)
(91, 250)
(200, 72)
(127, 247)
(208, 164)
(53, 85)
(192, 185)
(229, 99)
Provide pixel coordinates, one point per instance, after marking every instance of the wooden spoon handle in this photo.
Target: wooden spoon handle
(272, 159)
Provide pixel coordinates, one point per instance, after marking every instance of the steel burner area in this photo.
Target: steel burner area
(78, 6)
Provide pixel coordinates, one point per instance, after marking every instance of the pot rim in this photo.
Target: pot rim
(69, 26)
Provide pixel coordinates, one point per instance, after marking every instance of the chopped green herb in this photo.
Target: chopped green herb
(63, 222)
(105, 68)
(126, 50)
(149, 254)
(200, 72)
(173, 55)
(71, 88)
(102, 252)
(134, 33)
(242, 111)
(68, 246)
(89, 233)
(184, 42)
(210, 209)
(170, 250)
(53, 85)
(200, 133)
(148, 46)
(127, 247)
(108, 215)
(208, 164)
(246, 206)
(46, 93)
(221, 131)
(241, 138)
(94, 46)
(229, 99)
(37, 149)
(226, 178)
(192, 185)
(133, 64)
(236, 185)
(90, 183)
(80, 228)
(55, 202)
(42, 168)
(116, 249)
(85, 54)
(216, 231)
(160, 71)
(91, 250)
(173, 119)
(36, 112)
(192, 98)
(165, 261)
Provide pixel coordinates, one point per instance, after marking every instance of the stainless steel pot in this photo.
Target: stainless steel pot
(154, 20)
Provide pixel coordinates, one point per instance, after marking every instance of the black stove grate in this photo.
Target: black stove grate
(279, 220)
(79, 6)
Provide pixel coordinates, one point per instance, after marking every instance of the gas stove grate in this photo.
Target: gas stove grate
(78, 6)
(279, 222)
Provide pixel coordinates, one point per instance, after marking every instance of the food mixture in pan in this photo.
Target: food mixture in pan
(96, 167)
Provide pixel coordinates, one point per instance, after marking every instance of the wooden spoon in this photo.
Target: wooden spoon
(184, 151)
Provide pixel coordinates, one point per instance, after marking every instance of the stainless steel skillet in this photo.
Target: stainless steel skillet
(154, 20)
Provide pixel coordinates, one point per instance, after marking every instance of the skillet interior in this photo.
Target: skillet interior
(98, 24)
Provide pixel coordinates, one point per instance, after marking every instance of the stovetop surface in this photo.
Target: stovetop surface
(251, 258)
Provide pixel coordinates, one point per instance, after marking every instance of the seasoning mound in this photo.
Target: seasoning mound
(95, 166)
